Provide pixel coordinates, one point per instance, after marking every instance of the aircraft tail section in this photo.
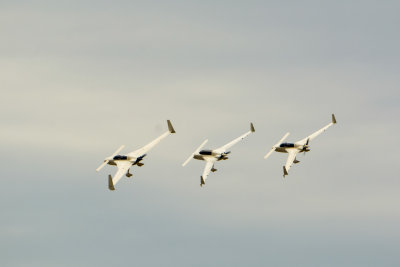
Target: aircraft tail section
(284, 172)
(170, 128)
(110, 183)
(252, 128)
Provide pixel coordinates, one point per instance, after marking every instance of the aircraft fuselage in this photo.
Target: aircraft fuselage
(283, 148)
(125, 158)
(203, 154)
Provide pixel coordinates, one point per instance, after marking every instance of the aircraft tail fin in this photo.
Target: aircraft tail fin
(110, 183)
(170, 128)
(202, 181)
(285, 171)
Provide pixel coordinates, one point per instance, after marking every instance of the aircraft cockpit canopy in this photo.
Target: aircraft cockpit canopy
(206, 152)
(286, 145)
(119, 157)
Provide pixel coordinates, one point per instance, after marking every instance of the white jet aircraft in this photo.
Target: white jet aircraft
(293, 148)
(212, 156)
(124, 163)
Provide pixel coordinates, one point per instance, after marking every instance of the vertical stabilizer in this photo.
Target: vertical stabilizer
(333, 119)
(284, 172)
(110, 183)
(170, 128)
(252, 128)
(202, 181)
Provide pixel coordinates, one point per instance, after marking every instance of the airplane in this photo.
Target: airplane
(294, 148)
(212, 156)
(125, 162)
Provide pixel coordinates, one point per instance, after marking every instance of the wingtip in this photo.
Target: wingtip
(170, 127)
(110, 183)
(252, 128)
(285, 171)
(333, 119)
(202, 181)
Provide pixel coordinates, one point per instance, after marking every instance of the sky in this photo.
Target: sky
(80, 78)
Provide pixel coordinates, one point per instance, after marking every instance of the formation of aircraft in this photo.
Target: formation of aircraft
(212, 156)
(125, 162)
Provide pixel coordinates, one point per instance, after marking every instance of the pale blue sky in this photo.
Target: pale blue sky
(80, 78)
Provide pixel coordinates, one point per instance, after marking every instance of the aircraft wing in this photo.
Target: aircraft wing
(224, 148)
(207, 169)
(146, 148)
(292, 155)
(315, 134)
(123, 167)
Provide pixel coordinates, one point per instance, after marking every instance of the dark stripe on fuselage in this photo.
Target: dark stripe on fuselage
(287, 145)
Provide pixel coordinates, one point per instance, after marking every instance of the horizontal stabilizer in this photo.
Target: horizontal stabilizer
(102, 165)
(276, 145)
(110, 183)
(195, 152)
(170, 128)
(107, 160)
(333, 119)
(252, 128)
